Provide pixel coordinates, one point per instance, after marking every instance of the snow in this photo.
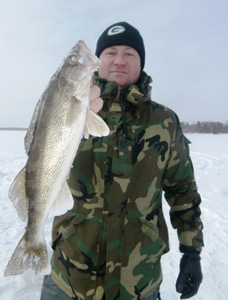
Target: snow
(210, 158)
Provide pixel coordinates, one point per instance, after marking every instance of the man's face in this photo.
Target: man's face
(121, 64)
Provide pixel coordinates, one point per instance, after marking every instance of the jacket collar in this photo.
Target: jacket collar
(135, 94)
(135, 91)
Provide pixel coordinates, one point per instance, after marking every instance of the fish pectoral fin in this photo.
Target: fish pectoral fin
(95, 125)
(86, 132)
(64, 201)
(17, 195)
(75, 109)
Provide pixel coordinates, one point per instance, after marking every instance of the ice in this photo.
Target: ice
(210, 158)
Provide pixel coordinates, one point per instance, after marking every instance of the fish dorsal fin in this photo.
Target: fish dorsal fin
(64, 201)
(95, 125)
(30, 133)
(17, 195)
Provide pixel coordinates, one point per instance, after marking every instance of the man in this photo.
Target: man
(110, 244)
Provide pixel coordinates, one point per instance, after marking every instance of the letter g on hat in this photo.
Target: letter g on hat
(116, 30)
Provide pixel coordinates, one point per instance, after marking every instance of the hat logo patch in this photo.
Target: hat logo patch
(116, 30)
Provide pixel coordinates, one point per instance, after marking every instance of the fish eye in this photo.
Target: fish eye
(74, 59)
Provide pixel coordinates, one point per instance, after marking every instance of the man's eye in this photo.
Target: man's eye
(110, 53)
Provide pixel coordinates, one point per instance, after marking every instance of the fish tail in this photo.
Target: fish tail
(27, 256)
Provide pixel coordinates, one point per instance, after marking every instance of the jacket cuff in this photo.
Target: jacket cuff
(190, 249)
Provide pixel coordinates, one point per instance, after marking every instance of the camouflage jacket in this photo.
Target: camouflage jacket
(112, 240)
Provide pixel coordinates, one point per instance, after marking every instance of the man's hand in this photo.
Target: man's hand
(190, 276)
(96, 102)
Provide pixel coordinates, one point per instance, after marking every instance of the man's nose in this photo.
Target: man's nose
(119, 59)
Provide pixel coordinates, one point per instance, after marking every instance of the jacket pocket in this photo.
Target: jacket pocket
(145, 243)
(66, 232)
(70, 230)
(141, 258)
(79, 238)
(150, 230)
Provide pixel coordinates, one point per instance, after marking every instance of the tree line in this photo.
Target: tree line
(205, 127)
(196, 127)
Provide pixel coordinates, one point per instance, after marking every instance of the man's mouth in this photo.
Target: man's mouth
(119, 71)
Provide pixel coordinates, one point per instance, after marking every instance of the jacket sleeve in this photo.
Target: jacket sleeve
(181, 193)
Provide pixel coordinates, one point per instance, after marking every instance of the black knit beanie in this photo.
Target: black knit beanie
(121, 33)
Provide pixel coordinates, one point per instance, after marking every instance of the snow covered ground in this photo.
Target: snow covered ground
(210, 158)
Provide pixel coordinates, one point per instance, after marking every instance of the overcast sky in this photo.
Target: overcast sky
(186, 50)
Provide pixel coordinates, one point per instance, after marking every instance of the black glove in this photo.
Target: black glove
(190, 275)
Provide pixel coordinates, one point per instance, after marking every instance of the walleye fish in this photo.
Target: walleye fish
(60, 119)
